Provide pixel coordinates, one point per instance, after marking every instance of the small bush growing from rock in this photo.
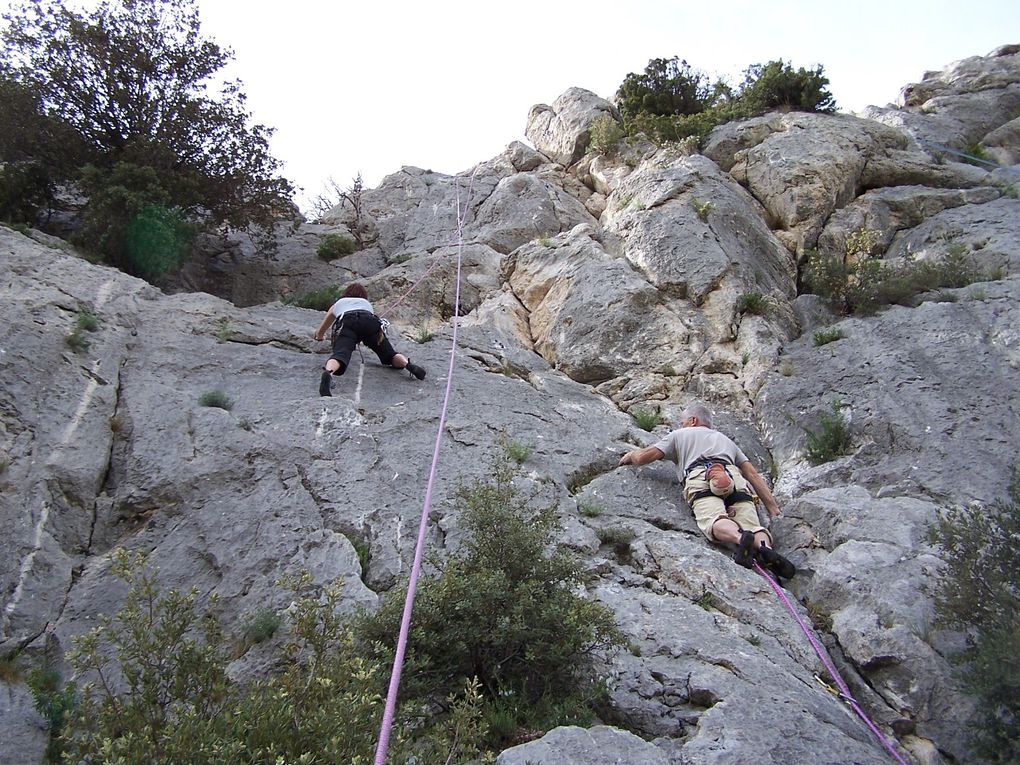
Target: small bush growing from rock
(334, 246)
(832, 438)
(517, 451)
(865, 286)
(86, 321)
(260, 626)
(826, 336)
(702, 209)
(319, 300)
(605, 134)
(425, 335)
(502, 609)
(217, 399)
(978, 594)
(589, 509)
(753, 302)
(647, 419)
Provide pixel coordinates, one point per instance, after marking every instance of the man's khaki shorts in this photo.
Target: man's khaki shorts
(710, 509)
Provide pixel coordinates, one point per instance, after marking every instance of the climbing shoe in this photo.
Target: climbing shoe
(744, 556)
(324, 384)
(416, 370)
(776, 563)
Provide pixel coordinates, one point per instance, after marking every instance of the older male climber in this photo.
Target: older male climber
(715, 476)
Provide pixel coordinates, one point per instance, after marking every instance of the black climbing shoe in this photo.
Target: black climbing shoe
(776, 563)
(744, 556)
(416, 370)
(324, 384)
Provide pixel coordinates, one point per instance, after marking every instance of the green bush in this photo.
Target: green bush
(702, 209)
(671, 101)
(517, 451)
(589, 509)
(754, 303)
(76, 341)
(216, 399)
(54, 702)
(504, 610)
(260, 625)
(865, 286)
(978, 594)
(832, 438)
(826, 336)
(131, 222)
(647, 419)
(776, 85)
(424, 335)
(606, 132)
(619, 538)
(179, 706)
(334, 246)
(320, 300)
(86, 321)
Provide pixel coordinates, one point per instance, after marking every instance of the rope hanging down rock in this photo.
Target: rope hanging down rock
(844, 689)
(412, 584)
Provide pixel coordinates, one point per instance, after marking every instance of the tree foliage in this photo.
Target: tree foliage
(133, 81)
(671, 100)
(504, 610)
(979, 594)
(156, 690)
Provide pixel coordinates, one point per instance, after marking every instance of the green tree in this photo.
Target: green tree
(667, 87)
(134, 80)
(776, 85)
(35, 151)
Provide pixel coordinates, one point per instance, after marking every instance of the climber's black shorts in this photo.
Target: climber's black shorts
(360, 327)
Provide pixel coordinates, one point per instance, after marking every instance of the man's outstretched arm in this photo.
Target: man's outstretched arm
(754, 478)
(642, 456)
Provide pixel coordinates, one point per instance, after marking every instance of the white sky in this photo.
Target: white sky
(374, 85)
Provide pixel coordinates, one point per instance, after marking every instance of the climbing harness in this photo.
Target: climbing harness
(338, 324)
(842, 689)
(736, 495)
(412, 582)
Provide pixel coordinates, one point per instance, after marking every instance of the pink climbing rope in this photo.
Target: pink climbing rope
(412, 583)
(844, 689)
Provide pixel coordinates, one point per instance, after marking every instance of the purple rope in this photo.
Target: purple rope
(844, 689)
(412, 584)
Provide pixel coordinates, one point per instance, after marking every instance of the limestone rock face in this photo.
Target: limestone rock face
(561, 131)
(591, 287)
(961, 104)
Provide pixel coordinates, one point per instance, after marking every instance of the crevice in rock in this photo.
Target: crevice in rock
(587, 473)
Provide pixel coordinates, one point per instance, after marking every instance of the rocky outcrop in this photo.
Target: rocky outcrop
(593, 286)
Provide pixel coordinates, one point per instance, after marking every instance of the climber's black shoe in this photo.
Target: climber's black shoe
(416, 370)
(744, 556)
(324, 384)
(776, 563)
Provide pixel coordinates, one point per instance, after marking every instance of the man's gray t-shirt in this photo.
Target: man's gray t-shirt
(688, 445)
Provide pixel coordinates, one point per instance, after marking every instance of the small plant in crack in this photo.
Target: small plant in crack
(517, 450)
(702, 209)
(589, 509)
(619, 538)
(707, 600)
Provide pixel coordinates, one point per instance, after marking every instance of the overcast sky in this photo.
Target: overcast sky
(375, 85)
